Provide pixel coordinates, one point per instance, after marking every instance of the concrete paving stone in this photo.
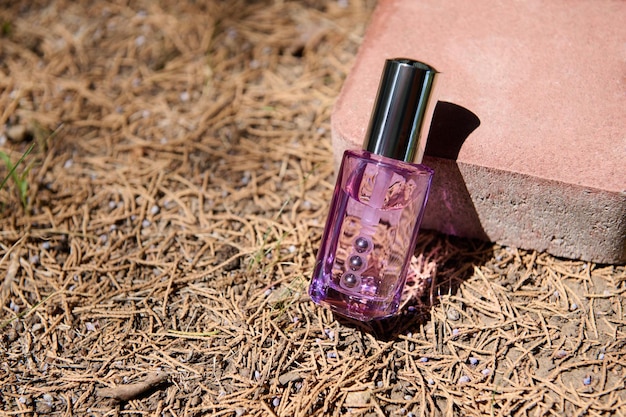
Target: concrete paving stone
(528, 140)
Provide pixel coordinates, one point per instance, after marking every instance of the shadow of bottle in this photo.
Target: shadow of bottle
(443, 263)
(450, 209)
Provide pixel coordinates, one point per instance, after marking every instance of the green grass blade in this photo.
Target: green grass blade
(12, 168)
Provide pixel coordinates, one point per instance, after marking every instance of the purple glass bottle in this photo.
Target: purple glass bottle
(378, 201)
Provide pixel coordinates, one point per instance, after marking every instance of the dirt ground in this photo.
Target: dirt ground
(172, 176)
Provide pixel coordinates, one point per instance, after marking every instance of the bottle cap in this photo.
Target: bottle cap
(402, 113)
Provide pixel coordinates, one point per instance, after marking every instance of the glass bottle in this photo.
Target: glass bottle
(378, 202)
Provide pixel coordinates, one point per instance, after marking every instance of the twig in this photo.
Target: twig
(130, 391)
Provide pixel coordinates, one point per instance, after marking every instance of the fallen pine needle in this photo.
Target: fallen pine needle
(191, 335)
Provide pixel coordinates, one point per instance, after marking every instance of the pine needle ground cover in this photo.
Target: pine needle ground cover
(166, 176)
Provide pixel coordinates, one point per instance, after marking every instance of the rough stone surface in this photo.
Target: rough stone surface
(528, 140)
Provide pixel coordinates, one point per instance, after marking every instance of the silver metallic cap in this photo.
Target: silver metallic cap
(402, 112)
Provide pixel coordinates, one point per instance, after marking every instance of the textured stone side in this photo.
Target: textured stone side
(562, 219)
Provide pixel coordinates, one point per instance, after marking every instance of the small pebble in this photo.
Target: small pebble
(379, 384)
(561, 354)
(276, 402)
(155, 210)
(330, 333)
(600, 356)
(331, 355)
(16, 133)
(423, 359)
(453, 314)
(14, 307)
(486, 371)
(45, 245)
(573, 307)
(411, 414)
(408, 397)
(430, 381)
(267, 292)
(145, 223)
(464, 379)
(90, 326)
(184, 96)
(587, 380)
(68, 164)
(473, 360)
(34, 260)
(140, 40)
(455, 332)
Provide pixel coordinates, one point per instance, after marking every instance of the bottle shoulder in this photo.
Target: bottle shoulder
(370, 157)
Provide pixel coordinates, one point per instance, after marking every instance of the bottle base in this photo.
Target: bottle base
(353, 306)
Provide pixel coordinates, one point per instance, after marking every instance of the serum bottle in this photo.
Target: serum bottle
(378, 202)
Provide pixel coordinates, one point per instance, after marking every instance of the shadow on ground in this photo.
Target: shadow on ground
(441, 265)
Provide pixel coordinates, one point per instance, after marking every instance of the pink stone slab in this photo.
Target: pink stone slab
(539, 91)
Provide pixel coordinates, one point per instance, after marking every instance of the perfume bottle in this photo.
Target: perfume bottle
(379, 200)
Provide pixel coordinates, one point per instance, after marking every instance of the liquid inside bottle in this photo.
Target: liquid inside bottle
(370, 235)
